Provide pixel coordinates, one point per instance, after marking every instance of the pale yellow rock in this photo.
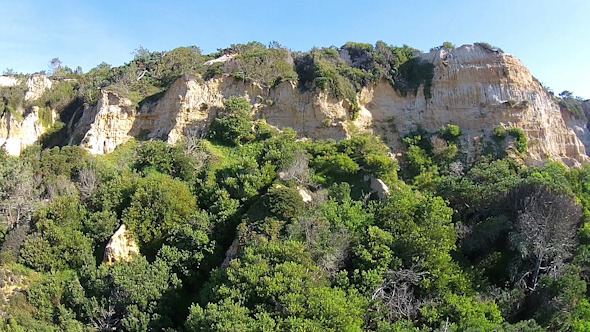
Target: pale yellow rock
(106, 125)
(121, 247)
(21, 128)
(305, 195)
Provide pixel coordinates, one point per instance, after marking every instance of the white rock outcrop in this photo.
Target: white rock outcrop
(8, 81)
(37, 84)
(107, 124)
(19, 131)
(380, 188)
(121, 247)
(221, 59)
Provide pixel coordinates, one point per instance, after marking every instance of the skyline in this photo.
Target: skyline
(547, 36)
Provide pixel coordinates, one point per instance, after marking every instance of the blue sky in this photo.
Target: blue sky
(550, 37)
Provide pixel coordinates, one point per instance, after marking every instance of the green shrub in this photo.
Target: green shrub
(256, 63)
(54, 135)
(164, 158)
(283, 203)
(45, 116)
(158, 204)
(520, 139)
(512, 102)
(489, 47)
(233, 126)
(448, 45)
(59, 96)
(450, 132)
(366, 64)
(571, 104)
(12, 97)
(339, 164)
(499, 134)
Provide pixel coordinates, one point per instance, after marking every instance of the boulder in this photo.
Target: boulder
(121, 247)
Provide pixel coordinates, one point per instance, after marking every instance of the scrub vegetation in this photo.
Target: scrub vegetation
(249, 228)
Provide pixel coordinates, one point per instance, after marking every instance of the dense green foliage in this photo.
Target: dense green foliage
(227, 242)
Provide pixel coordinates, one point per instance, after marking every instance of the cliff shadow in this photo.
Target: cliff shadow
(61, 130)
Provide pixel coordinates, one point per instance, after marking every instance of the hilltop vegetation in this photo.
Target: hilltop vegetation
(227, 242)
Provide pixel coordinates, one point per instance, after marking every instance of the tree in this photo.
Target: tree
(54, 65)
(566, 94)
(18, 191)
(276, 285)
(397, 293)
(545, 233)
(158, 204)
(448, 45)
(57, 69)
(234, 126)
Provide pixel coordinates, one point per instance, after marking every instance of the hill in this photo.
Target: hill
(361, 188)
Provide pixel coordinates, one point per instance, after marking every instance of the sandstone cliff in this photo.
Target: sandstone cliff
(8, 81)
(473, 87)
(189, 106)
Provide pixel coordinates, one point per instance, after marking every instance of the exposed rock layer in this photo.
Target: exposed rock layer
(36, 86)
(8, 81)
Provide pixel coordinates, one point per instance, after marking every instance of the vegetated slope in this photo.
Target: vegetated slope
(240, 226)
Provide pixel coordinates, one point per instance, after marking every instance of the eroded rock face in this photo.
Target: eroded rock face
(37, 85)
(121, 247)
(19, 131)
(106, 125)
(189, 106)
(474, 88)
(20, 128)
